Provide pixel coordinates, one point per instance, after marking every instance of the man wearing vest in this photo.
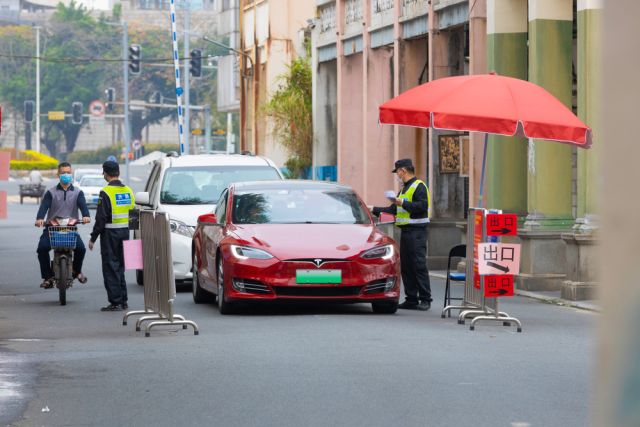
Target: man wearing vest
(112, 226)
(62, 201)
(411, 208)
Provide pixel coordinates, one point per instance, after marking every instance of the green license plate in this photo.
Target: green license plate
(319, 276)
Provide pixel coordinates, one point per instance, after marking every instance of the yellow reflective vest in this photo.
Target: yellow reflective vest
(121, 199)
(403, 217)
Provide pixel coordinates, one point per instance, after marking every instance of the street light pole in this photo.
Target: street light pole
(37, 88)
(187, 122)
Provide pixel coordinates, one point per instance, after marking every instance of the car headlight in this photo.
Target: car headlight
(181, 228)
(246, 252)
(383, 252)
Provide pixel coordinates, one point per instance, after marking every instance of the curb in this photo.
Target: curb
(544, 298)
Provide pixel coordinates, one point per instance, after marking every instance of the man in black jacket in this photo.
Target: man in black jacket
(411, 208)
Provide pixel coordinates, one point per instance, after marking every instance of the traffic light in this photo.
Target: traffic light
(110, 94)
(28, 111)
(76, 113)
(195, 63)
(134, 58)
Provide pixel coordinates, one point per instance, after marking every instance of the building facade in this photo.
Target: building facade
(368, 51)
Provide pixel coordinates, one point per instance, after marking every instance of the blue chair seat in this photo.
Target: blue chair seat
(459, 277)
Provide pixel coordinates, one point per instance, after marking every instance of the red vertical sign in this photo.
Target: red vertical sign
(477, 239)
(5, 157)
(3, 205)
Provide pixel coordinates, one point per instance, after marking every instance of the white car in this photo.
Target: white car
(79, 173)
(91, 185)
(188, 186)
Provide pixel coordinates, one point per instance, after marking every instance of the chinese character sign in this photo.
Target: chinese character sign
(502, 225)
(498, 286)
(477, 239)
(498, 258)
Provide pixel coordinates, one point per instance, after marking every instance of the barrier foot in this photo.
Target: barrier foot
(506, 321)
(447, 309)
(133, 313)
(144, 319)
(184, 323)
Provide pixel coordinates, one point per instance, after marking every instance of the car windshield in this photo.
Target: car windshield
(92, 181)
(82, 172)
(203, 185)
(298, 206)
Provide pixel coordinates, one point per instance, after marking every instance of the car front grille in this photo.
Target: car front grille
(317, 291)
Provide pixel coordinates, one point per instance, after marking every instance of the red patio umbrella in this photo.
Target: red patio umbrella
(487, 103)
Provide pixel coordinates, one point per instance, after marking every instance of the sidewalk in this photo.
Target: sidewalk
(551, 297)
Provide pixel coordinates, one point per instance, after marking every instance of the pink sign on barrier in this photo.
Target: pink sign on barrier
(133, 255)
(5, 157)
(3, 205)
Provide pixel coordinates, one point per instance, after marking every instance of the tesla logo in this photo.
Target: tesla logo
(318, 262)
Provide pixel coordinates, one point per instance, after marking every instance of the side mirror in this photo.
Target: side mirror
(142, 198)
(208, 219)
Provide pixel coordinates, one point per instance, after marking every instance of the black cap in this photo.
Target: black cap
(402, 163)
(111, 168)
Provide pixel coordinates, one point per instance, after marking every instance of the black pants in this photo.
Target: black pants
(44, 247)
(112, 252)
(413, 263)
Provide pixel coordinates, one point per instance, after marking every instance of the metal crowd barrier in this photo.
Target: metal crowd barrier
(474, 304)
(159, 281)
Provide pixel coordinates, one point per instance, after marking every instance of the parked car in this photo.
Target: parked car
(188, 186)
(293, 240)
(91, 185)
(79, 173)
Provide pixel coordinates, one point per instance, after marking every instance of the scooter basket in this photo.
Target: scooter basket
(63, 237)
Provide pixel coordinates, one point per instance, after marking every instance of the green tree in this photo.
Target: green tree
(291, 111)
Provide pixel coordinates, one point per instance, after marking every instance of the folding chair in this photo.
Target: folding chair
(459, 251)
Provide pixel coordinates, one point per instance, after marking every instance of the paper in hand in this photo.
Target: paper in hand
(390, 195)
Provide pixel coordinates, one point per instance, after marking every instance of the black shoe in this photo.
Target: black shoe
(408, 305)
(125, 306)
(112, 307)
(424, 306)
(48, 283)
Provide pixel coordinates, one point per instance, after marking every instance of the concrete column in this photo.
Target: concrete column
(339, 79)
(581, 242)
(549, 163)
(506, 174)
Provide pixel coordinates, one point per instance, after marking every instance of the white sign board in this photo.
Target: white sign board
(498, 258)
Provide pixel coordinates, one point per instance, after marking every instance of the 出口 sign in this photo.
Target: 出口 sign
(498, 258)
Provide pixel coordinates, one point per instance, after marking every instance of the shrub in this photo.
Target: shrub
(29, 159)
(100, 155)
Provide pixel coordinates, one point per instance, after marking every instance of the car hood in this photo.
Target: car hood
(91, 190)
(187, 213)
(288, 241)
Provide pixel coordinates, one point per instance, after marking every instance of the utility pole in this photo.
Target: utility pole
(125, 94)
(186, 72)
(207, 128)
(37, 88)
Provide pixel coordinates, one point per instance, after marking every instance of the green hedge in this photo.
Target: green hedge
(100, 155)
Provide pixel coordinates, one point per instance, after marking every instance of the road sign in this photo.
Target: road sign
(136, 144)
(196, 131)
(498, 286)
(498, 258)
(97, 108)
(55, 115)
(502, 225)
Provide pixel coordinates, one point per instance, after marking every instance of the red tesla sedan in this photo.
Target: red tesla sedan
(293, 240)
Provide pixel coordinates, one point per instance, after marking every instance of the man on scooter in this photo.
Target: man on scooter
(61, 201)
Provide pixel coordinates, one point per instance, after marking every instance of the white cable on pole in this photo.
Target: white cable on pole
(176, 66)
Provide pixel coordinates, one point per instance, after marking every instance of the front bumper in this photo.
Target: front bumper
(275, 280)
(181, 256)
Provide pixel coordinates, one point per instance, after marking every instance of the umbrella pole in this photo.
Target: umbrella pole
(484, 165)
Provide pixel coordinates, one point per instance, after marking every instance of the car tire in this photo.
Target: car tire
(200, 296)
(224, 306)
(139, 277)
(384, 307)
